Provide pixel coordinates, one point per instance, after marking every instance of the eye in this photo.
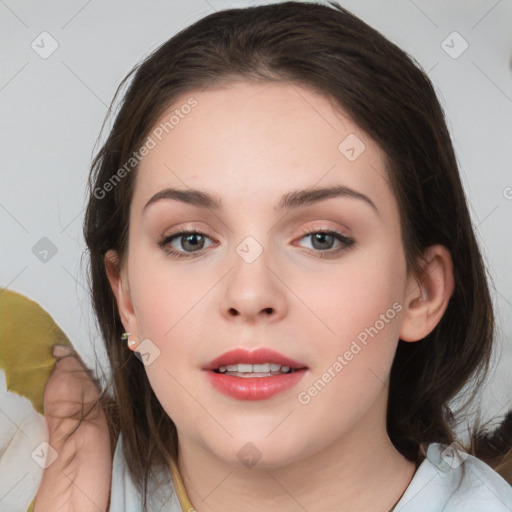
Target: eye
(323, 242)
(188, 242)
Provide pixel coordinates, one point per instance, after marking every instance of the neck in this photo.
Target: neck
(361, 470)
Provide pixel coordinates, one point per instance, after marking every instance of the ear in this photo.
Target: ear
(120, 287)
(427, 296)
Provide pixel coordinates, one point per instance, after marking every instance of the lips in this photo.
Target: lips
(258, 356)
(234, 382)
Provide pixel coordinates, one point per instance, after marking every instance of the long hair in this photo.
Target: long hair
(325, 47)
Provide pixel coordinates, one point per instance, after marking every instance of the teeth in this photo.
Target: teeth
(254, 368)
(261, 367)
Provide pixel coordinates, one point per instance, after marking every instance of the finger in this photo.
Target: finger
(69, 359)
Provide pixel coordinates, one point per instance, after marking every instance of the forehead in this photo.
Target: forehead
(258, 141)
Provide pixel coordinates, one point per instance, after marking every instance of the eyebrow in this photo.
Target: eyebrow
(291, 200)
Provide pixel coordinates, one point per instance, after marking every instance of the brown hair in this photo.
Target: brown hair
(327, 48)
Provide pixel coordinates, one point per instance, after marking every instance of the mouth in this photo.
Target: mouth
(249, 363)
(254, 375)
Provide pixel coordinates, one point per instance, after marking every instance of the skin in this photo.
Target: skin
(249, 145)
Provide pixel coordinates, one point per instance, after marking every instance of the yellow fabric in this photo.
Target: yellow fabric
(28, 334)
(186, 505)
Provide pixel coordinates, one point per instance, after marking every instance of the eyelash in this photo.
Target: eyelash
(346, 241)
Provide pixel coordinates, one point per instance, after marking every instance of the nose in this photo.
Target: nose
(253, 291)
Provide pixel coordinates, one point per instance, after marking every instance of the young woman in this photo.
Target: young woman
(277, 229)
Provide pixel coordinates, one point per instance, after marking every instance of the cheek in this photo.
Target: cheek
(165, 296)
(345, 302)
(355, 334)
(169, 306)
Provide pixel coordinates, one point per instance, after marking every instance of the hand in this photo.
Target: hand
(79, 479)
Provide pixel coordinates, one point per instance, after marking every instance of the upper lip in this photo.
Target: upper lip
(257, 356)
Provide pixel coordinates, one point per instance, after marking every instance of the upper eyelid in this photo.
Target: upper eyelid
(309, 228)
(304, 232)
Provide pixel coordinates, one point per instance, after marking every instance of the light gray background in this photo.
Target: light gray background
(52, 110)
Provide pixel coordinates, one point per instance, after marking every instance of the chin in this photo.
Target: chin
(259, 453)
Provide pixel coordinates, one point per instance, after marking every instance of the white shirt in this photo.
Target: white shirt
(434, 487)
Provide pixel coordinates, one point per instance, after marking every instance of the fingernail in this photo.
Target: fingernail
(62, 350)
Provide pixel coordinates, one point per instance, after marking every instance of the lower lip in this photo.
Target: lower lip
(254, 388)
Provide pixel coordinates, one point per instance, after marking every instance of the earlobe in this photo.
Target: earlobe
(120, 288)
(427, 296)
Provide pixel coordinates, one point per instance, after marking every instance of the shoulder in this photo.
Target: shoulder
(125, 495)
(451, 480)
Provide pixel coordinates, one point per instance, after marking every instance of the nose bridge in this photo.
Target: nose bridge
(251, 288)
(250, 276)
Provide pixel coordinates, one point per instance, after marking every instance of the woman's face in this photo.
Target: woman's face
(254, 278)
